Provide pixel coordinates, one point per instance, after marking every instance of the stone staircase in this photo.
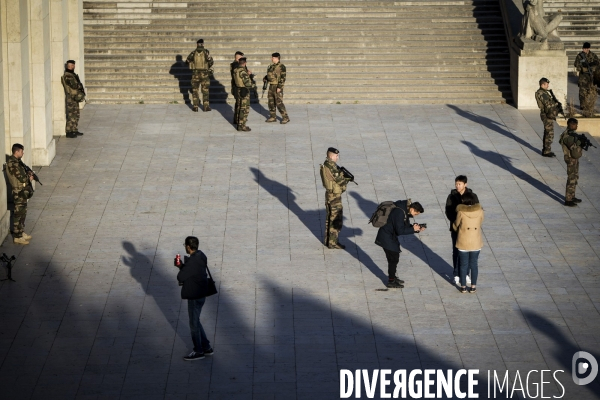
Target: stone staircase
(581, 23)
(346, 51)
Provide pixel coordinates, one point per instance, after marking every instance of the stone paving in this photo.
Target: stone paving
(95, 311)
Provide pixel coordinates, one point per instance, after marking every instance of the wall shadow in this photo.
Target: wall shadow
(312, 220)
(181, 71)
(493, 125)
(411, 243)
(503, 162)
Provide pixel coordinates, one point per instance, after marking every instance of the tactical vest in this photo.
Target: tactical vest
(538, 99)
(17, 186)
(574, 151)
(273, 73)
(200, 60)
(237, 78)
(75, 94)
(329, 182)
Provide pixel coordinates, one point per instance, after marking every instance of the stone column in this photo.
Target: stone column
(59, 46)
(75, 15)
(43, 145)
(4, 213)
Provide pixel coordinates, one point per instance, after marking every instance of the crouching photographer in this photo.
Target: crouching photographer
(196, 284)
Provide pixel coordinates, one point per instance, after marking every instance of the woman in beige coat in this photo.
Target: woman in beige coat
(469, 242)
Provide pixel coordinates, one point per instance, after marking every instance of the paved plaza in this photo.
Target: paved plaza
(96, 313)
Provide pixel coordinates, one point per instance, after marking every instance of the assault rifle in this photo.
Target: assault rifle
(29, 171)
(558, 104)
(347, 174)
(586, 64)
(265, 86)
(254, 89)
(585, 142)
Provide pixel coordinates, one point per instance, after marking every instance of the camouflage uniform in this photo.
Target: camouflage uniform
(587, 89)
(244, 85)
(200, 76)
(276, 77)
(73, 95)
(572, 150)
(335, 184)
(548, 113)
(21, 190)
(234, 91)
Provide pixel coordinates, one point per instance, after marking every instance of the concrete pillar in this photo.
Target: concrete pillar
(4, 213)
(43, 145)
(75, 15)
(59, 46)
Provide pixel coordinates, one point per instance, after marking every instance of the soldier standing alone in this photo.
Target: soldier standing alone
(74, 94)
(243, 84)
(201, 63)
(569, 140)
(335, 184)
(22, 191)
(276, 77)
(586, 63)
(548, 112)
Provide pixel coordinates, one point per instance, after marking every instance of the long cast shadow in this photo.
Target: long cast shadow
(493, 125)
(411, 242)
(312, 220)
(181, 71)
(504, 162)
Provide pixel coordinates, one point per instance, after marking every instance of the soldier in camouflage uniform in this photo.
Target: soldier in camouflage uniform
(234, 90)
(201, 63)
(335, 184)
(548, 112)
(243, 84)
(276, 77)
(74, 94)
(569, 140)
(586, 63)
(22, 190)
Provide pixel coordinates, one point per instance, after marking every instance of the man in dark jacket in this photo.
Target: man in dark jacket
(387, 237)
(454, 200)
(194, 281)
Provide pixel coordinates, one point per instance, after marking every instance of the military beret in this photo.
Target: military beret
(70, 61)
(544, 80)
(333, 150)
(200, 41)
(276, 55)
(587, 45)
(242, 60)
(572, 121)
(239, 53)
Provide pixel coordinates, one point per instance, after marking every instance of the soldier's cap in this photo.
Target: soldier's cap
(200, 41)
(276, 55)
(544, 80)
(333, 150)
(70, 61)
(586, 45)
(572, 121)
(242, 60)
(239, 53)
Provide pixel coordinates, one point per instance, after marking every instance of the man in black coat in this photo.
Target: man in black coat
(387, 237)
(454, 200)
(194, 286)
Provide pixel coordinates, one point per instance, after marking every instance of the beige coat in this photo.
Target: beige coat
(468, 225)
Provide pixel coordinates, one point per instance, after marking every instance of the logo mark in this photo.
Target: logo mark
(581, 368)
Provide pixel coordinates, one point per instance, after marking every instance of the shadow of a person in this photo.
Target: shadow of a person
(312, 220)
(493, 125)
(504, 162)
(181, 71)
(218, 99)
(410, 242)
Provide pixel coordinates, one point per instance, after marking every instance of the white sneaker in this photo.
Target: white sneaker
(456, 280)
(468, 279)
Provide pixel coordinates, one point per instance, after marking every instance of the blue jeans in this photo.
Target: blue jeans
(468, 263)
(199, 338)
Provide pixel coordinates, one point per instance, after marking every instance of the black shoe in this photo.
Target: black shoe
(209, 352)
(71, 135)
(394, 285)
(400, 281)
(79, 133)
(551, 154)
(570, 203)
(576, 200)
(194, 356)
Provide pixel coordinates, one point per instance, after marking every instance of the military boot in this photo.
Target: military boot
(79, 133)
(244, 129)
(71, 135)
(20, 240)
(576, 200)
(207, 107)
(195, 109)
(26, 236)
(285, 120)
(570, 203)
(271, 119)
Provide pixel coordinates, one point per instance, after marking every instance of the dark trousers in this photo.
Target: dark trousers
(393, 258)
(455, 262)
(199, 338)
(468, 263)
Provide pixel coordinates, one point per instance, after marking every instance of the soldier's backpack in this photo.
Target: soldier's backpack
(200, 60)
